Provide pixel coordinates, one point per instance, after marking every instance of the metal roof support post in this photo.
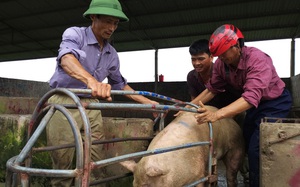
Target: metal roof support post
(292, 73)
(156, 70)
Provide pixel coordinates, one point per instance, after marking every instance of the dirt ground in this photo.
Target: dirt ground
(222, 178)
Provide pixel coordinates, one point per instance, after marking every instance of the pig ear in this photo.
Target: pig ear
(154, 171)
(129, 164)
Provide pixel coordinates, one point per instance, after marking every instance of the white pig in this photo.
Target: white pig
(185, 166)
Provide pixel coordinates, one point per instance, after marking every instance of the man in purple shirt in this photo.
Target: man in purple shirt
(85, 59)
(202, 61)
(252, 72)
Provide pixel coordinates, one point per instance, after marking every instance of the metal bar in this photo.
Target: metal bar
(292, 60)
(211, 149)
(155, 69)
(25, 151)
(51, 148)
(123, 106)
(197, 182)
(280, 120)
(24, 180)
(145, 153)
(8, 178)
(144, 93)
(38, 172)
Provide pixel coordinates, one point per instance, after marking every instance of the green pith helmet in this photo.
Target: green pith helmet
(106, 7)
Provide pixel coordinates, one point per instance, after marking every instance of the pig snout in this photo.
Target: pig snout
(151, 171)
(143, 176)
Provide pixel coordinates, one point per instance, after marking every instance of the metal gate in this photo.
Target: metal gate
(20, 165)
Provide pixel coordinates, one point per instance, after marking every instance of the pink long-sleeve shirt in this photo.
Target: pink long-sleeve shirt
(255, 77)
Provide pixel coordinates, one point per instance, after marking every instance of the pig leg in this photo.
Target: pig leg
(232, 161)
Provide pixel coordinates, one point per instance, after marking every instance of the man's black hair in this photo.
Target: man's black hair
(199, 46)
(242, 42)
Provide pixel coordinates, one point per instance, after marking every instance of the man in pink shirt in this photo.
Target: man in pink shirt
(251, 71)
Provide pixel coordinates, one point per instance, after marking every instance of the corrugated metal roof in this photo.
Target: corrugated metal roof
(33, 28)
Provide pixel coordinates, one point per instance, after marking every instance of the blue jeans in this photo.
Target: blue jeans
(277, 108)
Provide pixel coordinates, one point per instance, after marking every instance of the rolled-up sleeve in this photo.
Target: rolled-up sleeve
(115, 78)
(217, 83)
(70, 44)
(260, 80)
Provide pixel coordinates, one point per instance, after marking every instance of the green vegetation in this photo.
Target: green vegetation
(11, 144)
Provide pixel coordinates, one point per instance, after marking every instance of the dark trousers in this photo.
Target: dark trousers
(277, 108)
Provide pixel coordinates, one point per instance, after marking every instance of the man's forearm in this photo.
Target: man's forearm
(73, 68)
(137, 98)
(204, 97)
(231, 110)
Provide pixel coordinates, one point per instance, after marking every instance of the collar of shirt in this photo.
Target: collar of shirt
(91, 40)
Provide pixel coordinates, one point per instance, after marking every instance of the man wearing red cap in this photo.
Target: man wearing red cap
(250, 71)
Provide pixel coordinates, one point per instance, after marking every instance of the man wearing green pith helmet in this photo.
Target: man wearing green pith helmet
(85, 58)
